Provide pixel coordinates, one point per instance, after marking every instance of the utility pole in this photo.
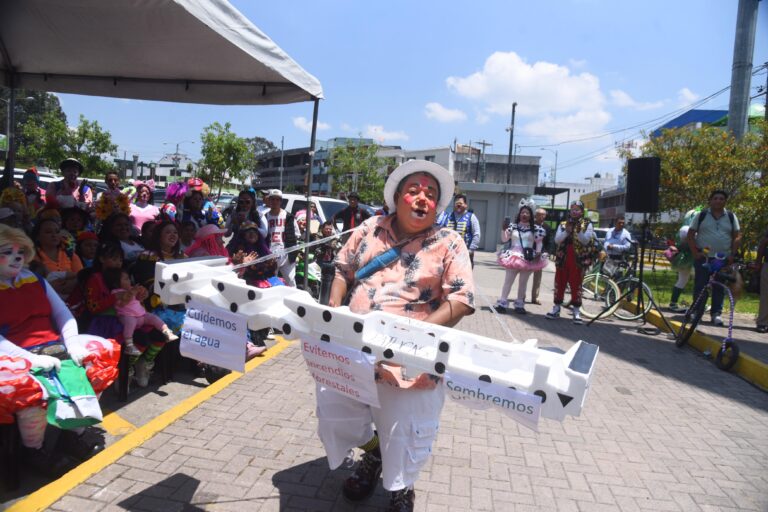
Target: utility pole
(484, 144)
(511, 130)
(282, 157)
(135, 166)
(741, 74)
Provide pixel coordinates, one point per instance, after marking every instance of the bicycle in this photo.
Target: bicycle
(630, 283)
(729, 351)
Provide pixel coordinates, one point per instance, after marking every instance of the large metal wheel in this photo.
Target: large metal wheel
(595, 288)
(633, 313)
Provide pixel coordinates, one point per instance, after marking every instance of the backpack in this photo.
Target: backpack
(703, 215)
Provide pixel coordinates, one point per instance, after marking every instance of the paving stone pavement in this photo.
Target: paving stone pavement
(662, 429)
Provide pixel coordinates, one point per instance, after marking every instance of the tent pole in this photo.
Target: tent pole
(10, 140)
(309, 192)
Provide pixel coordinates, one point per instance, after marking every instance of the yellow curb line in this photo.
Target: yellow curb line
(116, 426)
(747, 367)
(46, 496)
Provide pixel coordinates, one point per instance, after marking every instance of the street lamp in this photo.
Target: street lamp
(176, 157)
(554, 172)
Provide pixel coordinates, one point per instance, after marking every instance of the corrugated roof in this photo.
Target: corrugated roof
(692, 117)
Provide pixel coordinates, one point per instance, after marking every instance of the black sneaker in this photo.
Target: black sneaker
(402, 501)
(363, 481)
(80, 446)
(42, 462)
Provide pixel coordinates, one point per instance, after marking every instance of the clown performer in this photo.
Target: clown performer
(522, 254)
(142, 210)
(429, 279)
(38, 333)
(68, 192)
(575, 241)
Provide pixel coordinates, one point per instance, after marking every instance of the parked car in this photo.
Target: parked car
(327, 207)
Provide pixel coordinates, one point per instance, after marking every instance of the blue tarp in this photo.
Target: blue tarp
(692, 117)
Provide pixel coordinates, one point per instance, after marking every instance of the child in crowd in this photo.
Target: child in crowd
(187, 234)
(130, 311)
(87, 246)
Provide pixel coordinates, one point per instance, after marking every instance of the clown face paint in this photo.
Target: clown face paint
(11, 260)
(576, 211)
(417, 203)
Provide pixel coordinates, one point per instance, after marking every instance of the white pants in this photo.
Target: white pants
(407, 424)
(509, 280)
(683, 275)
(288, 272)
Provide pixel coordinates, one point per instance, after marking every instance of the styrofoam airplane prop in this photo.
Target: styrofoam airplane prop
(560, 379)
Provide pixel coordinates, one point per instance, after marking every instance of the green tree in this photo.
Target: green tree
(48, 140)
(358, 168)
(225, 155)
(695, 162)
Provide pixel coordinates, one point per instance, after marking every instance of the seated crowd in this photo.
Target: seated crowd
(95, 256)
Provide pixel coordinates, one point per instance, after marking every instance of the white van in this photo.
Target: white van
(45, 176)
(327, 207)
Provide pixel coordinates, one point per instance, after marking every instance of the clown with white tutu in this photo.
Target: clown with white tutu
(521, 255)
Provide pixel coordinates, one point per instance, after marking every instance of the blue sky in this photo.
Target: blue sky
(419, 74)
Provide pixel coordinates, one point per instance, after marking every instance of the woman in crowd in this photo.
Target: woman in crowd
(117, 228)
(100, 303)
(164, 245)
(521, 256)
(61, 266)
(142, 209)
(246, 211)
(249, 245)
(195, 207)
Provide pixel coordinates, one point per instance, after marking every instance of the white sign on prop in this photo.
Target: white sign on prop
(214, 335)
(345, 370)
(524, 408)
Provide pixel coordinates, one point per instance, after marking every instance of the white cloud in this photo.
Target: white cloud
(551, 100)
(346, 127)
(442, 114)
(577, 63)
(305, 125)
(622, 99)
(685, 97)
(377, 132)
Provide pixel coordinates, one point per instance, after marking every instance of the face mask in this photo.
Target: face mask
(11, 260)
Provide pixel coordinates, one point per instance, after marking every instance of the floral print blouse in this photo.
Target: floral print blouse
(432, 268)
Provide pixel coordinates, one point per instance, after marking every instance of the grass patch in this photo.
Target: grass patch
(662, 281)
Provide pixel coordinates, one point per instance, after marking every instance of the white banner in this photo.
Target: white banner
(345, 370)
(476, 394)
(214, 335)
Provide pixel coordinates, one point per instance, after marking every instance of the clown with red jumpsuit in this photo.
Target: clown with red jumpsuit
(37, 331)
(574, 238)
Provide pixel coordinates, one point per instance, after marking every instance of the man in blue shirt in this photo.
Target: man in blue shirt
(465, 222)
(714, 232)
(618, 242)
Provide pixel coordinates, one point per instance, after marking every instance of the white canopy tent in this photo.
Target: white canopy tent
(190, 51)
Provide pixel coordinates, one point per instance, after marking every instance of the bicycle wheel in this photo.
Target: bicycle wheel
(727, 356)
(691, 319)
(594, 290)
(633, 313)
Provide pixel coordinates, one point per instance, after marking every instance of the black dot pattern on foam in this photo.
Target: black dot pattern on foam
(367, 350)
(251, 294)
(439, 368)
(301, 311)
(327, 315)
(175, 277)
(220, 286)
(358, 327)
(287, 328)
(233, 307)
(389, 354)
(444, 346)
(542, 394)
(485, 378)
(325, 337)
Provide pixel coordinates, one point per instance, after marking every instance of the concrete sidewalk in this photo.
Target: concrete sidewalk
(662, 429)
